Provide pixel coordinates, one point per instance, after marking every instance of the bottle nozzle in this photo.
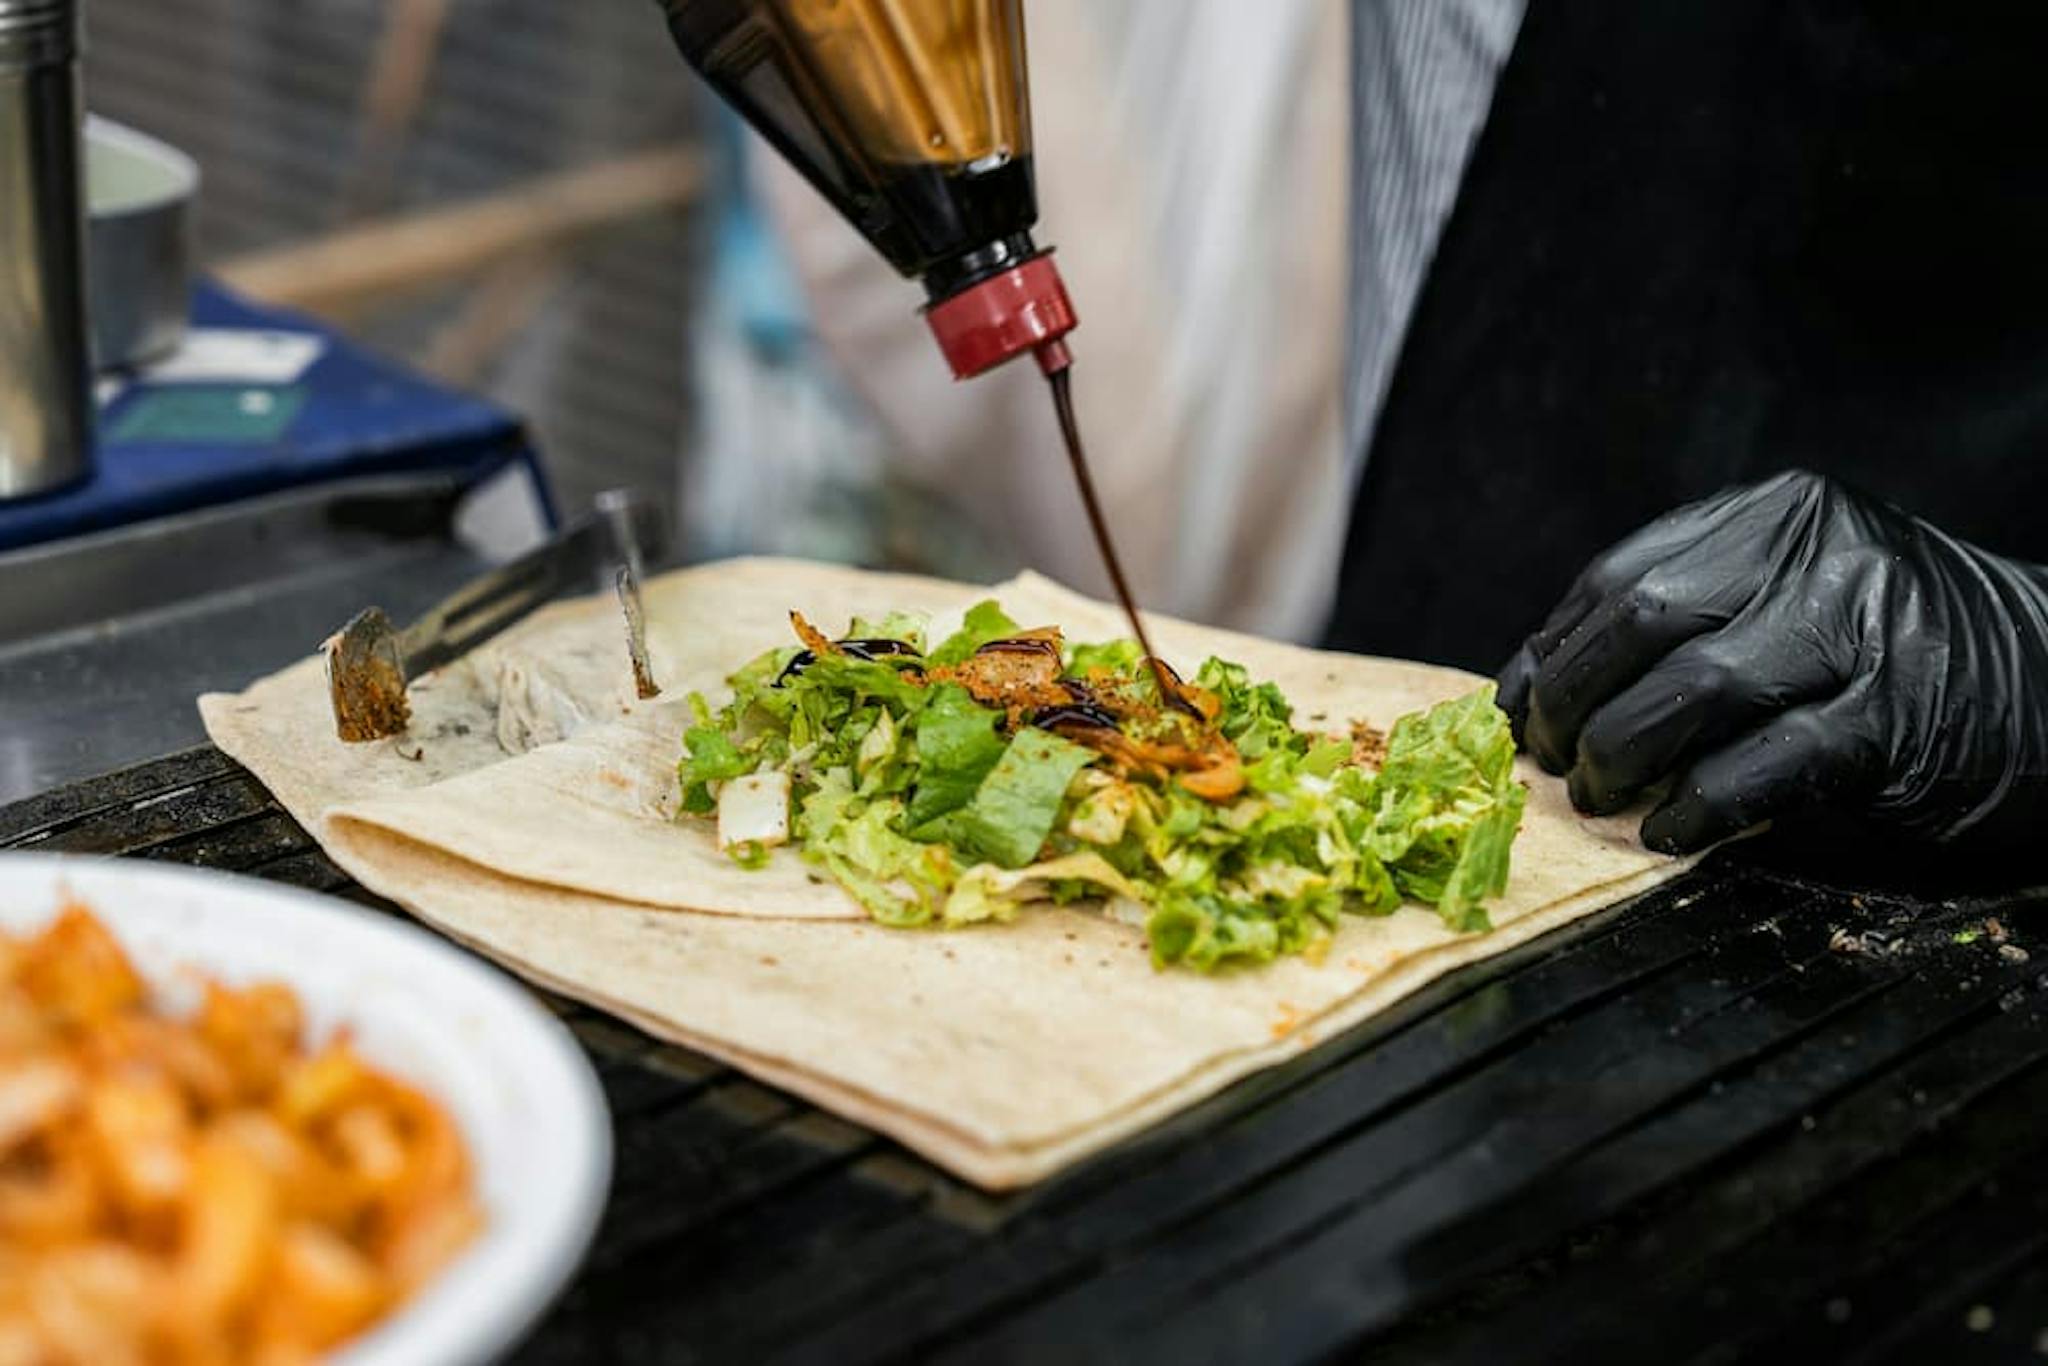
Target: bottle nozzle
(1053, 356)
(1024, 308)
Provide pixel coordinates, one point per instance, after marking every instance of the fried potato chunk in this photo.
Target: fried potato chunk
(203, 1189)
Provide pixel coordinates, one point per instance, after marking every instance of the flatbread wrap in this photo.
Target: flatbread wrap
(1003, 1052)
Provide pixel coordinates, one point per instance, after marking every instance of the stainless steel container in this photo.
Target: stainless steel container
(140, 194)
(45, 355)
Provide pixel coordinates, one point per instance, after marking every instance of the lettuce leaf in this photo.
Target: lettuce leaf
(985, 621)
(1013, 809)
(710, 758)
(907, 627)
(854, 681)
(957, 745)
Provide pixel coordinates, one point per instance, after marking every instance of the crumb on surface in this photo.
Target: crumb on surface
(1871, 944)
(1368, 745)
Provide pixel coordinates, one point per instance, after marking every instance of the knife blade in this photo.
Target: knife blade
(370, 661)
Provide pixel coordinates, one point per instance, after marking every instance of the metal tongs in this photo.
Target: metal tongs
(369, 662)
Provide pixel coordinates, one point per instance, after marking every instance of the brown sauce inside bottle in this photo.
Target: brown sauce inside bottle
(1077, 456)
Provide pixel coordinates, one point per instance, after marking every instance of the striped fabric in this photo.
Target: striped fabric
(1422, 77)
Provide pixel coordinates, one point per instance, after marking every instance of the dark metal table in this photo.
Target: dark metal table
(1752, 1114)
(106, 639)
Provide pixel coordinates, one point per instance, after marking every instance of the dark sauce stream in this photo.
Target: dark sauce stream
(1084, 708)
(1070, 429)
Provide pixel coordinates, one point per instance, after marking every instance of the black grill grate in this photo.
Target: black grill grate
(1691, 1129)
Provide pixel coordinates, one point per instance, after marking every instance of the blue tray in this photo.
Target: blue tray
(168, 447)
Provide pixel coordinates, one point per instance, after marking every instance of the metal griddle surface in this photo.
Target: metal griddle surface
(1684, 1130)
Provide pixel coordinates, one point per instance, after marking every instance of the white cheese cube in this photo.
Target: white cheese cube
(754, 809)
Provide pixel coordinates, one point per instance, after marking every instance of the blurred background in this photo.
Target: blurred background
(335, 136)
(534, 200)
(413, 202)
(539, 201)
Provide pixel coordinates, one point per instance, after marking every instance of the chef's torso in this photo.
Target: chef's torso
(1695, 243)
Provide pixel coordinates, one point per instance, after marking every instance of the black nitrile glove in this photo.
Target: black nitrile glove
(1791, 645)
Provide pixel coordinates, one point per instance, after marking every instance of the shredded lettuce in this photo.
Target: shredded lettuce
(1255, 715)
(986, 892)
(750, 854)
(1110, 656)
(1449, 807)
(898, 881)
(932, 809)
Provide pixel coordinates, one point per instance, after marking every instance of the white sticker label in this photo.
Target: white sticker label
(225, 355)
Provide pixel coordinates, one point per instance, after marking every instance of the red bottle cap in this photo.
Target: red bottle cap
(1023, 309)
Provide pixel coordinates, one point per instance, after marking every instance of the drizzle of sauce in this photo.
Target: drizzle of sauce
(1061, 381)
(873, 650)
(877, 648)
(1175, 689)
(1082, 709)
(1020, 645)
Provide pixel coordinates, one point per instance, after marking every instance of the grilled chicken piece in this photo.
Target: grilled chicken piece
(1018, 674)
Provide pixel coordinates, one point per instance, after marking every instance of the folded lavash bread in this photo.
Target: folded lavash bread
(1002, 1052)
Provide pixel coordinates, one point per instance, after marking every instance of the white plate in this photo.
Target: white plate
(517, 1084)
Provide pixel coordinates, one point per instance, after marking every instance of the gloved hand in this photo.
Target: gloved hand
(1792, 644)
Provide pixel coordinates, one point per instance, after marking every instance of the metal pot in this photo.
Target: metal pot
(45, 416)
(139, 192)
